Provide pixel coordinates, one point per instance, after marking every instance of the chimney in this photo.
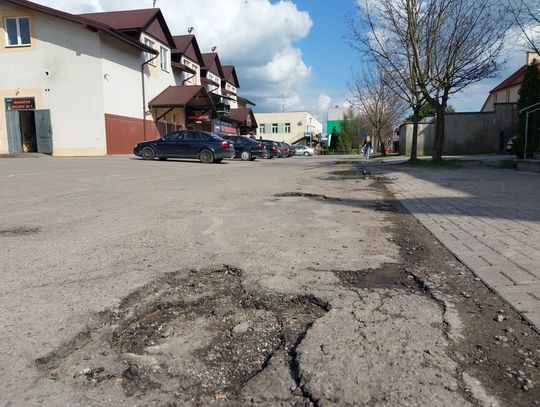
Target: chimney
(531, 56)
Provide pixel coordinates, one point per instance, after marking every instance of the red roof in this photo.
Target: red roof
(148, 20)
(515, 79)
(187, 45)
(211, 63)
(243, 115)
(230, 75)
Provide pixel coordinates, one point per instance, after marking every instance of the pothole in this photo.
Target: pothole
(388, 276)
(318, 197)
(19, 231)
(187, 338)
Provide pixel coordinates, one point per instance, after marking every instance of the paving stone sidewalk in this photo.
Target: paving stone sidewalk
(488, 218)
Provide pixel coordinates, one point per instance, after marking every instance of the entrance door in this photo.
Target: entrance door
(14, 132)
(43, 131)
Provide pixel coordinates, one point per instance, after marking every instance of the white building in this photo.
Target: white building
(290, 127)
(97, 84)
(71, 83)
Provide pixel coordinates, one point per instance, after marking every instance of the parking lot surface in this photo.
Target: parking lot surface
(289, 282)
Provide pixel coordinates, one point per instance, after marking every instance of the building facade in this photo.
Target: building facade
(84, 84)
(290, 127)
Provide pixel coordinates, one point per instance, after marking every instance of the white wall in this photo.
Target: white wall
(70, 55)
(300, 122)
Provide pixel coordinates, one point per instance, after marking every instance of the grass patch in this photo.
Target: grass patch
(443, 164)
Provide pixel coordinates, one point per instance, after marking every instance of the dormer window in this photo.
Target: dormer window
(17, 31)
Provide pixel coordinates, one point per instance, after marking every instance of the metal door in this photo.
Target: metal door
(14, 132)
(43, 131)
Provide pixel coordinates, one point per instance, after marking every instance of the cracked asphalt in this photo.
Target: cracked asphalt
(291, 282)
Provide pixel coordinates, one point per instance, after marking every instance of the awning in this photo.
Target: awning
(180, 96)
(182, 67)
(245, 117)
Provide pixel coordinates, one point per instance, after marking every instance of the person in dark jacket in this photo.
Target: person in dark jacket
(367, 148)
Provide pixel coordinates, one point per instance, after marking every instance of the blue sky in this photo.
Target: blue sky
(325, 48)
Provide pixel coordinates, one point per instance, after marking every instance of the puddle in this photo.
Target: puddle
(184, 338)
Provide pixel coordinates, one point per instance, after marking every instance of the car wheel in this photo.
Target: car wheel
(306, 153)
(148, 154)
(252, 158)
(218, 160)
(245, 155)
(206, 156)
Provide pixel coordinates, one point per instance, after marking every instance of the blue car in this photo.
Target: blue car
(201, 145)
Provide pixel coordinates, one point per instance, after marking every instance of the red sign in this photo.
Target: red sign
(20, 104)
(199, 116)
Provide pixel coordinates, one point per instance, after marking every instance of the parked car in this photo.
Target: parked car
(290, 147)
(510, 144)
(303, 150)
(246, 148)
(271, 148)
(283, 149)
(201, 145)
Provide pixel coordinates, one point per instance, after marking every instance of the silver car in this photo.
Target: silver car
(303, 150)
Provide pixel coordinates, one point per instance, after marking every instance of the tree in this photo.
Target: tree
(455, 43)
(333, 139)
(343, 143)
(527, 17)
(529, 94)
(379, 104)
(381, 33)
(351, 126)
(427, 110)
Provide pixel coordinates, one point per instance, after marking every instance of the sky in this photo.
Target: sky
(288, 54)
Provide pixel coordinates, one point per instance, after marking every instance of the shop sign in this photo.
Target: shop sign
(20, 103)
(229, 129)
(198, 116)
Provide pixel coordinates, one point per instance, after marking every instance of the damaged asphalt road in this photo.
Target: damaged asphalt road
(335, 296)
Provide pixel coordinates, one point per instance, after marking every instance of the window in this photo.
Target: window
(287, 127)
(274, 128)
(17, 31)
(262, 128)
(147, 55)
(164, 58)
(175, 136)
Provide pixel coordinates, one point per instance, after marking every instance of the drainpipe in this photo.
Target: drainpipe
(191, 77)
(144, 94)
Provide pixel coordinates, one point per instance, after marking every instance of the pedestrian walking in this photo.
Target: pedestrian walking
(367, 148)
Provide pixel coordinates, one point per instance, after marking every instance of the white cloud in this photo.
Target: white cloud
(257, 36)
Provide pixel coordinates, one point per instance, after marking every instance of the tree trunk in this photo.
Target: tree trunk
(379, 140)
(439, 135)
(414, 143)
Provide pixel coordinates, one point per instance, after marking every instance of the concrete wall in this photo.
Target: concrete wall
(465, 133)
(56, 69)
